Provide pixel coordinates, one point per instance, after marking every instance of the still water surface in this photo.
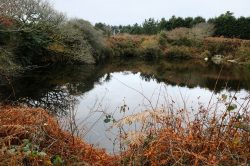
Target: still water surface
(95, 91)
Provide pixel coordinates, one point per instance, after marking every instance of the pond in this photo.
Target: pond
(123, 87)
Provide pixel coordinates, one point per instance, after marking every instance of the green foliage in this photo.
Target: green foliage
(27, 148)
(82, 41)
(106, 29)
(162, 38)
(149, 26)
(125, 47)
(231, 107)
(225, 25)
(221, 46)
(243, 53)
(45, 36)
(57, 160)
(228, 26)
(180, 52)
(8, 66)
(151, 49)
(108, 119)
(31, 47)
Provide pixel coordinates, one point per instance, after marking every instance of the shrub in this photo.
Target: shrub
(162, 38)
(181, 52)
(82, 41)
(8, 66)
(178, 33)
(151, 49)
(124, 45)
(224, 46)
(201, 31)
(190, 36)
(243, 54)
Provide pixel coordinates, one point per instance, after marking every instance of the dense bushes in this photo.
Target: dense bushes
(124, 45)
(151, 49)
(224, 46)
(134, 46)
(46, 36)
(81, 41)
(181, 43)
(181, 52)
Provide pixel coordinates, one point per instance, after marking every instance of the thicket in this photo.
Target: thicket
(180, 43)
(34, 33)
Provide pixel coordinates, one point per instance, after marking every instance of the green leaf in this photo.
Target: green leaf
(57, 160)
(26, 141)
(224, 97)
(25, 149)
(42, 154)
(107, 120)
(231, 107)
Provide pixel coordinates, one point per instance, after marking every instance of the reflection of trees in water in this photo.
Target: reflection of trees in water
(57, 101)
(147, 77)
(189, 74)
(56, 88)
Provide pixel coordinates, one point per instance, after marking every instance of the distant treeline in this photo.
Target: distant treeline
(226, 25)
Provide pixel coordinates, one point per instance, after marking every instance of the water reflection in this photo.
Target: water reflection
(56, 87)
(137, 93)
(96, 90)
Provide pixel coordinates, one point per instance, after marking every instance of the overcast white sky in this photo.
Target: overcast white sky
(124, 12)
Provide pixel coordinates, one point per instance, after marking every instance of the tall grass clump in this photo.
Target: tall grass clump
(217, 134)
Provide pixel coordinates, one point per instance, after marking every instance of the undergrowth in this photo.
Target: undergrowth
(33, 137)
(217, 134)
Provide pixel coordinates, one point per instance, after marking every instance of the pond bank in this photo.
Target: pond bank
(230, 50)
(33, 137)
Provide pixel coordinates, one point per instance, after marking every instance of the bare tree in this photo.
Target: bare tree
(30, 11)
